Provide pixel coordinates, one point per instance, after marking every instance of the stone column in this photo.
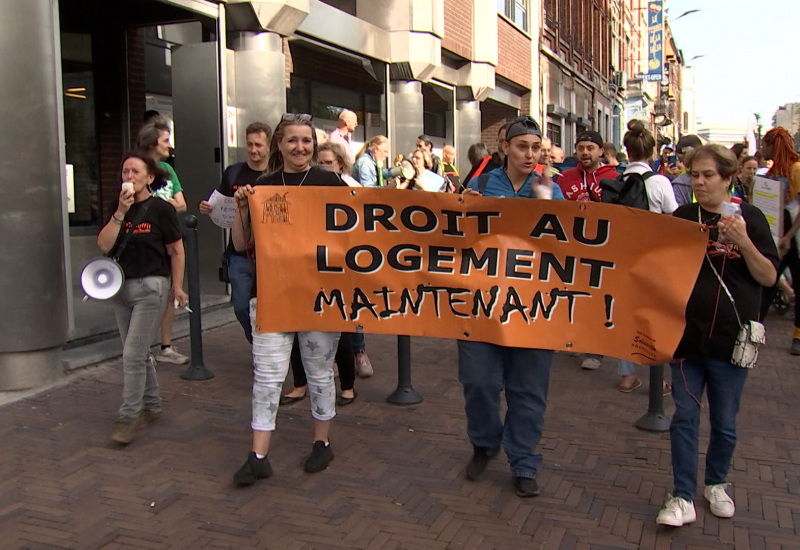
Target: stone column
(33, 293)
(468, 123)
(259, 84)
(406, 122)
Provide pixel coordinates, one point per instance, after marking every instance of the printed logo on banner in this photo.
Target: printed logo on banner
(276, 209)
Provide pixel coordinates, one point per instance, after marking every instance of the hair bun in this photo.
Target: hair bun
(636, 127)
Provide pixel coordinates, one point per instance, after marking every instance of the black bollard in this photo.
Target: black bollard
(655, 419)
(196, 370)
(404, 394)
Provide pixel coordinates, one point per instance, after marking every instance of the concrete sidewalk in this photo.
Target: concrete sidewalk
(397, 479)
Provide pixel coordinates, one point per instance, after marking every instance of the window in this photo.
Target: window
(554, 130)
(516, 11)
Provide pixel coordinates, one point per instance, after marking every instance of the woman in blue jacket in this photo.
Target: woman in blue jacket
(484, 369)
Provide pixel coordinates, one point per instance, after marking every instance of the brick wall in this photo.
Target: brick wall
(493, 116)
(513, 53)
(458, 27)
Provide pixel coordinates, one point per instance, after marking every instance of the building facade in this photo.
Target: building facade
(455, 70)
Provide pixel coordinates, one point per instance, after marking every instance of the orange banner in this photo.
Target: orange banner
(560, 275)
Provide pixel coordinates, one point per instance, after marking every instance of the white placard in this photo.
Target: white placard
(70, 171)
(224, 209)
(768, 197)
(430, 181)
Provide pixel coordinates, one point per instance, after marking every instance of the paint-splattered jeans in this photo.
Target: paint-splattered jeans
(271, 353)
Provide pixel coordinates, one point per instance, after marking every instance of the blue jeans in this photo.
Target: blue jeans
(486, 369)
(626, 368)
(357, 341)
(240, 274)
(723, 383)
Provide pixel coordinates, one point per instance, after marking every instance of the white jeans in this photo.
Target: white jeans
(271, 353)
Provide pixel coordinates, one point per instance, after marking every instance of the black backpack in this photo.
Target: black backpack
(626, 190)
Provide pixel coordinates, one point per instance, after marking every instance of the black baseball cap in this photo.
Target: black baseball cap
(523, 126)
(590, 135)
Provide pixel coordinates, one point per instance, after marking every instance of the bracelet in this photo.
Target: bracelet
(115, 220)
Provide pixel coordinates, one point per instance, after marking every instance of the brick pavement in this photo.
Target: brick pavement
(396, 481)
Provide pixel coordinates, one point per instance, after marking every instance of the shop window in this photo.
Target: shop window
(516, 11)
(83, 175)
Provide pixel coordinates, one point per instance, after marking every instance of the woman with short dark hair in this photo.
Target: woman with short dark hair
(740, 260)
(152, 252)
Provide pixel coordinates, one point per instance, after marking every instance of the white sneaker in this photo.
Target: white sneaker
(171, 355)
(590, 363)
(676, 512)
(363, 365)
(721, 504)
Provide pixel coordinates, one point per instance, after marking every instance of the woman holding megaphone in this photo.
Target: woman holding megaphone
(143, 234)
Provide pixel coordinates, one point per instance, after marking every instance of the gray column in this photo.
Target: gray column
(468, 122)
(406, 115)
(33, 294)
(259, 84)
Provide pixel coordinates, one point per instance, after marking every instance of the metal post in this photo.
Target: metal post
(404, 394)
(196, 370)
(655, 419)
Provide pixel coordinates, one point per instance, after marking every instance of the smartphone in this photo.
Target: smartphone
(672, 160)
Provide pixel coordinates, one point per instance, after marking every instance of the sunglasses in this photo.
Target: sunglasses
(296, 117)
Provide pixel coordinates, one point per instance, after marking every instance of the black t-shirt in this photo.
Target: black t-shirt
(236, 176)
(711, 324)
(315, 176)
(146, 252)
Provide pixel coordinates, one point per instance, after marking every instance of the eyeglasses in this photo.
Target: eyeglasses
(296, 117)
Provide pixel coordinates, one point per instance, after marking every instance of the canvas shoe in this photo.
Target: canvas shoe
(590, 363)
(721, 504)
(171, 355)
(321, 455)
(252, 470)
(676, 512)
(363, 365)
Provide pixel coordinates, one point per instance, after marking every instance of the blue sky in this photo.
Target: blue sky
(751, 52)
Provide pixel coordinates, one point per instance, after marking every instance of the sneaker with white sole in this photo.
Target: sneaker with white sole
(676, 512)
(363, 364)
(590, 363)
(721, 504)
(171, 355)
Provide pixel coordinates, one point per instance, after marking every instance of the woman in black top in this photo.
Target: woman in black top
(742, 254)
(293, 155)
(154, 251)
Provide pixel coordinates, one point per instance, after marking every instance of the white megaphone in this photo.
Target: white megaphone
(405, 171)
(102, 278)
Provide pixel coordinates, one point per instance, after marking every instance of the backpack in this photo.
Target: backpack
(626, 190)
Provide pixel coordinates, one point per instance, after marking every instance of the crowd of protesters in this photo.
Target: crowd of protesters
(740, 276)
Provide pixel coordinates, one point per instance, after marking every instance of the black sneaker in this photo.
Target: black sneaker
(476, 466)
(321, 455)
(795, 346)
(526, 487)
(252, 470)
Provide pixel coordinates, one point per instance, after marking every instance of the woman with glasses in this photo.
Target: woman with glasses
(331, 156)
(292, 162)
